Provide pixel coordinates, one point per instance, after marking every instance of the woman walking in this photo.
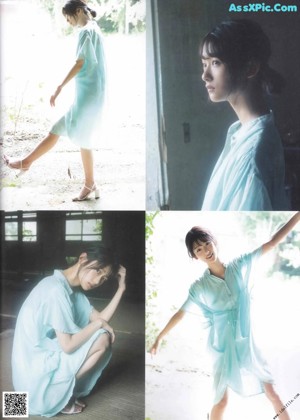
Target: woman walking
(61, 343)
(81, 123)
(222, 296)
(249, 174)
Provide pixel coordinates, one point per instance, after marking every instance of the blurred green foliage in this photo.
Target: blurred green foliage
(151, 290)
(113, 16)
(287, 256)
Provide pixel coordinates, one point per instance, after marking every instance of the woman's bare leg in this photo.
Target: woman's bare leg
(276, 402)
(95, 354)
(88, 166)
(89, 182)
(218, 410)
(43, 147)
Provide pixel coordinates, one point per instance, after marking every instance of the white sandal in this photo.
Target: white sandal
(20, 168)
(93, 189)
(75, 409)
(80, 403)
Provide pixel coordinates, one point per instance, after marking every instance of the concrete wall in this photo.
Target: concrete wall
(190, 160)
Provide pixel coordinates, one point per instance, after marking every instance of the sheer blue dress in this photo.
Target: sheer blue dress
(225, 305)
(82, 123)
(39, 366)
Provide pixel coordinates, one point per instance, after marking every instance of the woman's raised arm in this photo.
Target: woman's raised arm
(281, 234)
(110, 309)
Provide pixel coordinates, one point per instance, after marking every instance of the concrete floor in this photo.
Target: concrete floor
(120, 394)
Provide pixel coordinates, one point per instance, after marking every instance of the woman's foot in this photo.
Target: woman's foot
(16, 164)
(86, 191)
(72, 408)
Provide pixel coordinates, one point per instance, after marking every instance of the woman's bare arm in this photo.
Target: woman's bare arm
(72, 73)
(176, 318)
(110, 309)
(71, 342)
(281, 234)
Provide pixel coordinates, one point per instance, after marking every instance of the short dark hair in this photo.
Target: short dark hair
(198, 234)
(103, 257)
(238, 43)
(71, 7)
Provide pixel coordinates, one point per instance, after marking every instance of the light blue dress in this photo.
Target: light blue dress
(225, 309)
(39, 366)
(249, 174)
(82, 122)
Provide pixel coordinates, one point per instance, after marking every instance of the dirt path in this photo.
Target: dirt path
(120, 159)
(119, 169)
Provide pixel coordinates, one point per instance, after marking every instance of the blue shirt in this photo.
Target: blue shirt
(249, 174)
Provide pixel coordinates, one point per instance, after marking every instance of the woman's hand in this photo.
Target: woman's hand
(121, 278)
(103, 324)
(154, 348)
(55, 95)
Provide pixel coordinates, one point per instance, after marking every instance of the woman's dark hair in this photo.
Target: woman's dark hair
(103, 257)
(198, 234)
(71, 7)
(240, 43)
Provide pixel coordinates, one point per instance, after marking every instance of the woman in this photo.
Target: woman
(249, 174)
(222, 296)
(81, 122)
(61, 343)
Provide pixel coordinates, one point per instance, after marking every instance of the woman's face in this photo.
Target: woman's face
(216, 77)
(79, 19)
(72, 20)
(91, 278)
(205, 251)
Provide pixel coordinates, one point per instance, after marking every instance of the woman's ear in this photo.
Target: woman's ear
(253, 68)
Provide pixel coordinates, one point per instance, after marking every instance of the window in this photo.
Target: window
(21, 227)
(84, 226)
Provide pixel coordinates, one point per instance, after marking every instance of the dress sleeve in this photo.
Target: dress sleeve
(244, 265)
(85, 48)
(58, 313)
(194, 305)
(82, 310)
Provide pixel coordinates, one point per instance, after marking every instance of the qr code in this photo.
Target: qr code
(15, 404)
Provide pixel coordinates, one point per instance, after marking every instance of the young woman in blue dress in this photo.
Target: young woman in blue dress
(221, 295)
(249, 174)
(81, 123)
(62, 343)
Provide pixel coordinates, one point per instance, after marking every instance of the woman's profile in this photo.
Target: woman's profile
(61, 342)
(81, 123)
(249, 174)
(222, 296)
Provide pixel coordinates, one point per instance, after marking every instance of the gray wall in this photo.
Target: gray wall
(182, 24)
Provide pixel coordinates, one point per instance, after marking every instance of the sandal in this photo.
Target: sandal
(74, 409)
(93, 189)
(17, 165)
(80, 403)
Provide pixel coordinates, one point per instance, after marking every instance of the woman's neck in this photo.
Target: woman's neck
(71, 275)
(217, 269)
(248, 105)
(84, 20)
